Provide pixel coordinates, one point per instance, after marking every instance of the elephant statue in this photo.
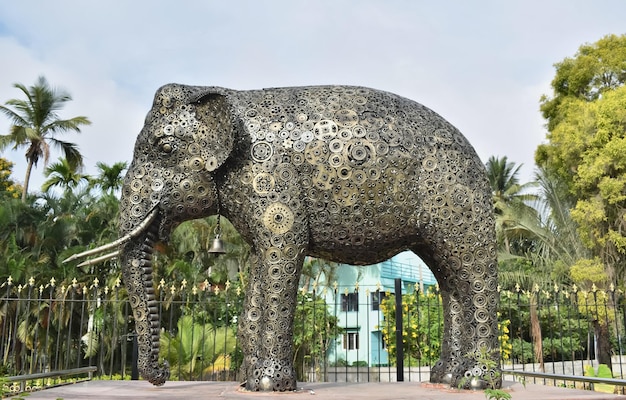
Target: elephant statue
(346, 174)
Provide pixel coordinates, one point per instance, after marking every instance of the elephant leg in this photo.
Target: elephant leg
(250, 320)
(441, 372)
(466, 269)
(272, 302)
(477, 364)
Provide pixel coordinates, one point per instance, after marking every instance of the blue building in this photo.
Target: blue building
(359, 292)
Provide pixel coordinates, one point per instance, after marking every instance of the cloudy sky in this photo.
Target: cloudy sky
(481, 64)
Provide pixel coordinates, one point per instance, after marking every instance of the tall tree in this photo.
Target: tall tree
(35, 123)
(595, 69)
(110, 177)
(512, 204)
(586, 146)
(586, 150)
(561, 246)
(64, 175)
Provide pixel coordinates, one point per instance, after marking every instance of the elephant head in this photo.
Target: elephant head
(186, 137)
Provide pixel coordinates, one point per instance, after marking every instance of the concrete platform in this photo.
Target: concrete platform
(105, 390)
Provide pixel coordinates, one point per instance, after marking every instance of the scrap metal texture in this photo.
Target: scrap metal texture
(348, 174)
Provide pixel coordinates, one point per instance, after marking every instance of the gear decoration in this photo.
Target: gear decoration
(278, 218)
(349, 174)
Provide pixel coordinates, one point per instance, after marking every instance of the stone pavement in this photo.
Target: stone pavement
(106, 390)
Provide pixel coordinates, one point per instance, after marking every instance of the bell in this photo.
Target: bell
(217, 247)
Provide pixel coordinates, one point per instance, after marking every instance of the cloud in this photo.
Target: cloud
(483, 65)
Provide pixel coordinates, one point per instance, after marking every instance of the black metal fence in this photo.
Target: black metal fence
(340, 334)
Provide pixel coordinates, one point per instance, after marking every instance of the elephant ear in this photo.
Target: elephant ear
(215, 133)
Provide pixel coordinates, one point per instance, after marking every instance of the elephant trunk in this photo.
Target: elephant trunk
(136, 258)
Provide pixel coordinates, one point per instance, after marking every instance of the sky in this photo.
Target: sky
(483, 64)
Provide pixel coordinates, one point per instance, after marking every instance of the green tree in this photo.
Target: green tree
(196, 346)
(64, 175)
(590, 144)
(422, 326)
(110, 178)
(515, 218)
(316, 271)
(8, 188)
(586, 150)
(560, 245)
(595, 69)
(314, 330)
(35, 123)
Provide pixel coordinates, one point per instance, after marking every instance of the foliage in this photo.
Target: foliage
(514, 216)
(560, 245)
(64, 175)
(423, 326)
(595, 69)
(586, 151)
(504, 338)
(586, 145)
(196, 346)
(521, 351)
(484, 357)
(314, 331)
(110, 177)
(35, 123)
(557, 312)
(497, 394)
(8, 188)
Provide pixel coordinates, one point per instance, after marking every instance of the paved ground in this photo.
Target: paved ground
(105, 390)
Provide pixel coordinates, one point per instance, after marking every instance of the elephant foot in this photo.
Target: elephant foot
(275, 378)
(156, 376)
(440, 373)
(465, 374)
(478, 377)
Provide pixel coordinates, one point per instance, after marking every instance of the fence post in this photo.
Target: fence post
(399, 317)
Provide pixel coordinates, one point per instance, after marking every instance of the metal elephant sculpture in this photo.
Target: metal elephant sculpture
(348, 174)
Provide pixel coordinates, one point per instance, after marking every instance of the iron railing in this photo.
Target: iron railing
(45, 327)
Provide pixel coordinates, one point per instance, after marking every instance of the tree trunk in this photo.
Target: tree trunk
(29, 168)
(603, 353)
(535, 332)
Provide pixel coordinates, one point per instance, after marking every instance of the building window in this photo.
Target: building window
(350, 302)
(351, 341)
(377, 298)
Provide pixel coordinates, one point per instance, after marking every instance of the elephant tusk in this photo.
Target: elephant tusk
(99, 259)
(100, 249)
(135, 232)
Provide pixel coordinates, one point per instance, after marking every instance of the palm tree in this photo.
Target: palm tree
(514, 214)
(63, 174)
(560, 245)
(35, 123)
(110, 178)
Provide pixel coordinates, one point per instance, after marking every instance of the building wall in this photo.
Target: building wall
(360, 282)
